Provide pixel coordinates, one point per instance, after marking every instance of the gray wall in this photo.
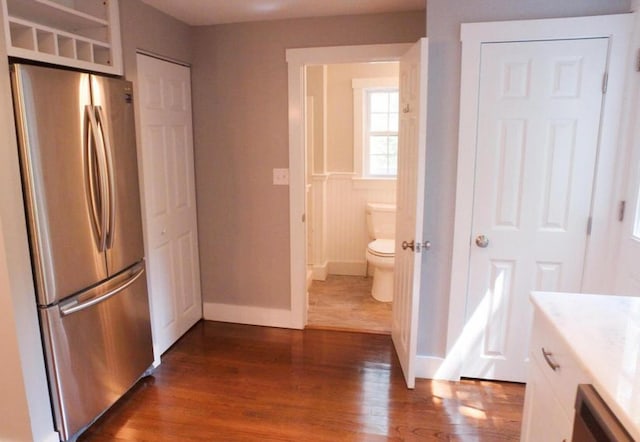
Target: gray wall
(443, 24)
(146, 28)
(241, 134)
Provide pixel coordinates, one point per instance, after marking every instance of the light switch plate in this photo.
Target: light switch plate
(281, 177)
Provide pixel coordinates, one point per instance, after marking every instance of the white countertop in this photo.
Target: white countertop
(604, 333)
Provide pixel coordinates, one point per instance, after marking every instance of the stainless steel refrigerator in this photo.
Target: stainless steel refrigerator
(80, 179)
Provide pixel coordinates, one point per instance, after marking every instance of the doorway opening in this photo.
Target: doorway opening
(410, 182)
(351, 147)
(298, 61)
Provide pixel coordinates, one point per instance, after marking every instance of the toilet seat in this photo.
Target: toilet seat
(382, 247)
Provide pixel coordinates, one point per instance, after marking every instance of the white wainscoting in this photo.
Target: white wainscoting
(317, 222)
(338, 220)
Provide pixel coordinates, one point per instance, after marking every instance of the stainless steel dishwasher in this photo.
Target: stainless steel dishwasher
(594, 421)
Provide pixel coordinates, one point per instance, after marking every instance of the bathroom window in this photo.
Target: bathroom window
(375, 137)
(381, 133)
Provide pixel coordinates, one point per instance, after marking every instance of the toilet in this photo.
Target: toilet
(381, 224)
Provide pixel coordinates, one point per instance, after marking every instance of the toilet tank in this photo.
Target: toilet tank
(381, 220)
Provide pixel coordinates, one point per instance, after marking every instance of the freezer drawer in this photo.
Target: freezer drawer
(97, 346)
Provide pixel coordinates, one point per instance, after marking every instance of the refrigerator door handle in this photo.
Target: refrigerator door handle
(96, 178)
(74, 306)
(111, 190)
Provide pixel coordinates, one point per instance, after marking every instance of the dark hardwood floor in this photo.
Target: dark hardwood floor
(226, 382)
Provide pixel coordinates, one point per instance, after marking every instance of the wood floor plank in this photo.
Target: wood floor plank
(228, 382)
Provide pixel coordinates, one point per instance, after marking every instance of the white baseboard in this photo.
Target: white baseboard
(309, 277)
(320, 272)
(52, 437)
(242, 314)
(351, 268)
(429, 367)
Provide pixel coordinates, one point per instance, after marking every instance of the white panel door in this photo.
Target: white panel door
(169, 205)
(538, 127)
(410, 205)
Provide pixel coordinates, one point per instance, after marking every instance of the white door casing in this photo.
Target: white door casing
(169, 204)
(538, 127)
(597, 263)
(410, 206)
(628, 273)
(627, 278)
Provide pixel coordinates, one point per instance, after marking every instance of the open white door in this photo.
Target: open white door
(169, 200)
(410, 205)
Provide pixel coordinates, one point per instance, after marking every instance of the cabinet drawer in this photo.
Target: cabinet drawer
(544, 419)
(559, 366)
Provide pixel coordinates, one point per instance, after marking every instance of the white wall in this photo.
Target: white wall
(443, 30)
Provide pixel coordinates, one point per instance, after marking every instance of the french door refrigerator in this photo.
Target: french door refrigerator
(80, 179)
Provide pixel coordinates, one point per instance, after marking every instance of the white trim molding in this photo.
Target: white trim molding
(359, 85)
(431, 367)
(240, 314)
(617, 29)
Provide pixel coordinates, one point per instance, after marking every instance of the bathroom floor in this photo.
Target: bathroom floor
(345, 303)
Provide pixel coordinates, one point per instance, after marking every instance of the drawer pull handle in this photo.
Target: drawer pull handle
(547, 357)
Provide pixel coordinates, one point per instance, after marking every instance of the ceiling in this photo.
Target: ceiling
(210, 12)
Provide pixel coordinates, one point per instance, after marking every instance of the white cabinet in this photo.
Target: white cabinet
(544, 418)
(83, 34)
(552, 384)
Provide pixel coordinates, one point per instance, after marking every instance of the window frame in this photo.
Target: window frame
(361, 86)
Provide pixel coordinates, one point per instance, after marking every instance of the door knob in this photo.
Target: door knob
(482, 241)
(416, 246)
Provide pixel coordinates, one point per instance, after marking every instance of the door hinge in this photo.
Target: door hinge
(638, 61)
(304, 217)
(589, 223)
(621, 207)
(605, 82)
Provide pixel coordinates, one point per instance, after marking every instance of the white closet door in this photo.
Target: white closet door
(169, 204)
(538, 131)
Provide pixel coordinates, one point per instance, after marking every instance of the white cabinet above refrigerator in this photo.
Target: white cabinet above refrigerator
(83, 34)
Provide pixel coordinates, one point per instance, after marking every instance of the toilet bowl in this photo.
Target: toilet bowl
(381, 224)
(381, 256)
